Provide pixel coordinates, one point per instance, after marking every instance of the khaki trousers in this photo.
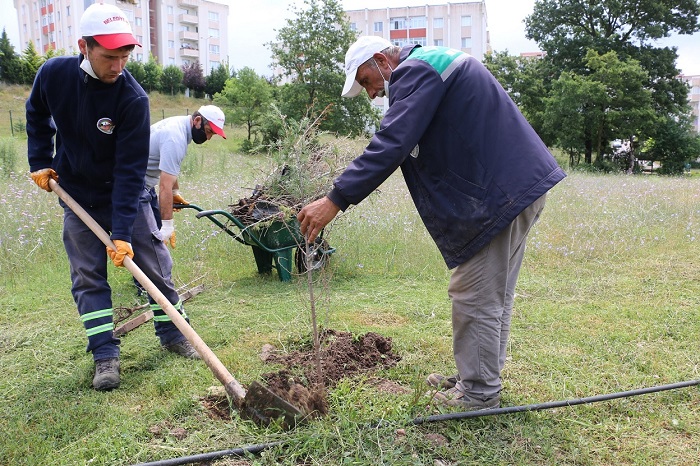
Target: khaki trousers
(482, 291)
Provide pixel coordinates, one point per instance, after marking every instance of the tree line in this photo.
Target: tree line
(600, 80)
(22, 68)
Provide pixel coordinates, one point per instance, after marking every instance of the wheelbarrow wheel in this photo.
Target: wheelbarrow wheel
(319, 256)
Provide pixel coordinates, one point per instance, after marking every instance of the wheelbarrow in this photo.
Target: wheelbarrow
(272, 239)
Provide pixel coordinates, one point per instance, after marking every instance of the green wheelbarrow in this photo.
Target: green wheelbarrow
(273, 241)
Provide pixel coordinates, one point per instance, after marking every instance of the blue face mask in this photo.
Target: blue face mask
(386, 83)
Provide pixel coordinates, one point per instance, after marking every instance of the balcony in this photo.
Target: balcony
(189, 3)
(189, 53)
(189, 19)
(189, 35)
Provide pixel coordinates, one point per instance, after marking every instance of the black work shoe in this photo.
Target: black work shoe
(442, 381)
(454, 397)
(184, 349)
(106, 374)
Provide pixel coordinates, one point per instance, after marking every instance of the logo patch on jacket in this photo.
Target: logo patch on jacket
(106, 125)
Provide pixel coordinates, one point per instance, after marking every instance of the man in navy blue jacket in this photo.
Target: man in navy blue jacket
(478, 175)
(94, 115)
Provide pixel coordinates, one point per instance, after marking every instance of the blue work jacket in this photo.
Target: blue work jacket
(469, 157)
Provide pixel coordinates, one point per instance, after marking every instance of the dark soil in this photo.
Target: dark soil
(341, 355)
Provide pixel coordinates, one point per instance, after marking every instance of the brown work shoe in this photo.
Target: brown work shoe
(442, 381)
(106, 374)
(454, 397)
(183, 348)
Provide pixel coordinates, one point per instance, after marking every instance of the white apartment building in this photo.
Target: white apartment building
(694, 98)
(175, 32)
(460, 26)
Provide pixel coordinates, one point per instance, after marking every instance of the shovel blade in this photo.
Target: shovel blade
(262, 406)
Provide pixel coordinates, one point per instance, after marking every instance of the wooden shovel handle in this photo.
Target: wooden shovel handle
(233, 388)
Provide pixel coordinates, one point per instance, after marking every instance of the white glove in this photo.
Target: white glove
(167, 232)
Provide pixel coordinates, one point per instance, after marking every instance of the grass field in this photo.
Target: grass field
(608, 301)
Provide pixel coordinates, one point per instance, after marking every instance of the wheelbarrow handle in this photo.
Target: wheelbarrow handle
(233, 388)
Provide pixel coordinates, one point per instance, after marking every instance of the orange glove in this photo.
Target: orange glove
(123, 249)
(178, 199)
(42, 177)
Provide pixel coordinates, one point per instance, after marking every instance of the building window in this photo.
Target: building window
(213, 16)
(397, 23)
(213, 48)
(438, 42)
(418, 40)
(213, 32)
(171, 61)
(171, 44)
(170, 10)
(416, 22)
(137, 21)
(353, 26)
(466, 21)
(378, 26)
(139, 57)
(466, 42)
(438, 23)
(140, 39)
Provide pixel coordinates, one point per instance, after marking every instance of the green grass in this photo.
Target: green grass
(608, 301)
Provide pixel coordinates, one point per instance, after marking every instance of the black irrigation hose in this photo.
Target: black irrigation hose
(212, 456)
(552, 404)
(440, 417)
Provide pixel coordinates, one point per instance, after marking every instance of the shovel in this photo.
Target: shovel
(259, 404)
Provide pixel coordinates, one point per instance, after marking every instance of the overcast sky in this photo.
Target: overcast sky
(253, 23)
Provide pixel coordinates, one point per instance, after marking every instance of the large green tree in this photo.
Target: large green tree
(10, 65)
(566, 28)
(246, 98)
(310, 51)
(171, 79)
(587, 111)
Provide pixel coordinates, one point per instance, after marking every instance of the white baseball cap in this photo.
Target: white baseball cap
(215, 117)
(108, 25)
(358, 53)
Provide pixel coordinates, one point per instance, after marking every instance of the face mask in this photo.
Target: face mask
(199, 136)
(386, 83)
(87, 67)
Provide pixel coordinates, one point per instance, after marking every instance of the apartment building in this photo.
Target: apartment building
(460, 26)
(175, 32)
(694, 97)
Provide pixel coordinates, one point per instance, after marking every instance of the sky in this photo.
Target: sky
(253, 23)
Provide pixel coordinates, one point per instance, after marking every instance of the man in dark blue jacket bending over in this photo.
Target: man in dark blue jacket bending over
(478, 175)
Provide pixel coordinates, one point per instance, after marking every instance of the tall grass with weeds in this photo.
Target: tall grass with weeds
(608, 301)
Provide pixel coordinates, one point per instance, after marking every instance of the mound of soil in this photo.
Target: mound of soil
(341, 355)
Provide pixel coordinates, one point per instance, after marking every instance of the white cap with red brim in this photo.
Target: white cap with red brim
(215, 117)
(108, 25)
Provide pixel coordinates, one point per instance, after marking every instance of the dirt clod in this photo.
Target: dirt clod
(342, 355)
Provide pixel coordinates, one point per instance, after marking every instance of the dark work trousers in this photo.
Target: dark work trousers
(482, 291)
(88, 268)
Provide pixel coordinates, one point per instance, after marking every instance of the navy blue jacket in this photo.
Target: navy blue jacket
(101, 136)
(470, 159)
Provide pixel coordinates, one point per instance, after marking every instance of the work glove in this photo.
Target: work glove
(42, 177)
(123, 249)
(167, 232)
(178, 199)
